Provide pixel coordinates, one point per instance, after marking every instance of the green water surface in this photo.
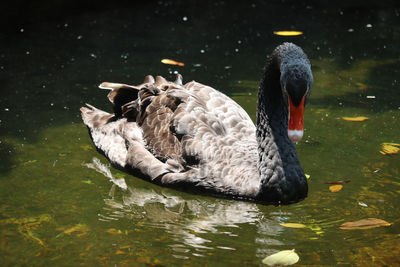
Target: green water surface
(56, 210)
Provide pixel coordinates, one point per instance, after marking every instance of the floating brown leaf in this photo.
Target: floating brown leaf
(364, 224)
(335, 188)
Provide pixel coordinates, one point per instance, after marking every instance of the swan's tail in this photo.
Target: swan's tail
(94, 117)
(122, 143)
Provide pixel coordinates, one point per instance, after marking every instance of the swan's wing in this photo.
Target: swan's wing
(173, 120)
(169, 130)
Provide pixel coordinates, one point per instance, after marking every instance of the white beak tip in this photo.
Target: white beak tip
(295, 135)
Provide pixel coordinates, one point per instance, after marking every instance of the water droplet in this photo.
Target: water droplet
(184, 18)
(79, 37)
(125, 56)
(21, 30)
(202, 51)
(350, 30)
(6, 109)
(368, 25)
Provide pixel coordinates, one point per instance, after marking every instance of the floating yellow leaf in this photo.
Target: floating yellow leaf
(282, 258)
(293, 225)
(355, 118)
(308, 176)
(288, 33)
(364, 224)
(172, 62)
(390, 148)
(120, 252)
(335, 188)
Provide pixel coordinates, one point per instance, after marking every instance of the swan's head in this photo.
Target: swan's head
(296, 82)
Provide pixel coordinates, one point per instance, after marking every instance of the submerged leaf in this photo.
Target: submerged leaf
(293, 225)
(288, 33)
(120, 252)
(114, 231)
(172, 62)
(361, 86)
(364, 224)
(283, 258)
(30, 161)
(82, 229)
(335, 188)
(88, 181)
(355, 118)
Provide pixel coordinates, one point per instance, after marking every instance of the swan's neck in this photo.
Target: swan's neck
(282, 177)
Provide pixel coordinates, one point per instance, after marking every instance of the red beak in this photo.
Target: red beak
(295, 126)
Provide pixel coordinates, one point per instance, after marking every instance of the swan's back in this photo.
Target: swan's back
(176, 133)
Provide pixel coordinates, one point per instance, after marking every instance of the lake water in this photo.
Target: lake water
(56, 210)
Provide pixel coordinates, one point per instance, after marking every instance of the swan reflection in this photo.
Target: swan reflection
(188, 220)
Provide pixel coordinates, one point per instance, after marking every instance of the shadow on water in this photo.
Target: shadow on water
(367, 94)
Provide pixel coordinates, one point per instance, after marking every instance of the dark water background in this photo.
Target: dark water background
(56, 210)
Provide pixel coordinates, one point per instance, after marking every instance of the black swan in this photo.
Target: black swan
(192, 134)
